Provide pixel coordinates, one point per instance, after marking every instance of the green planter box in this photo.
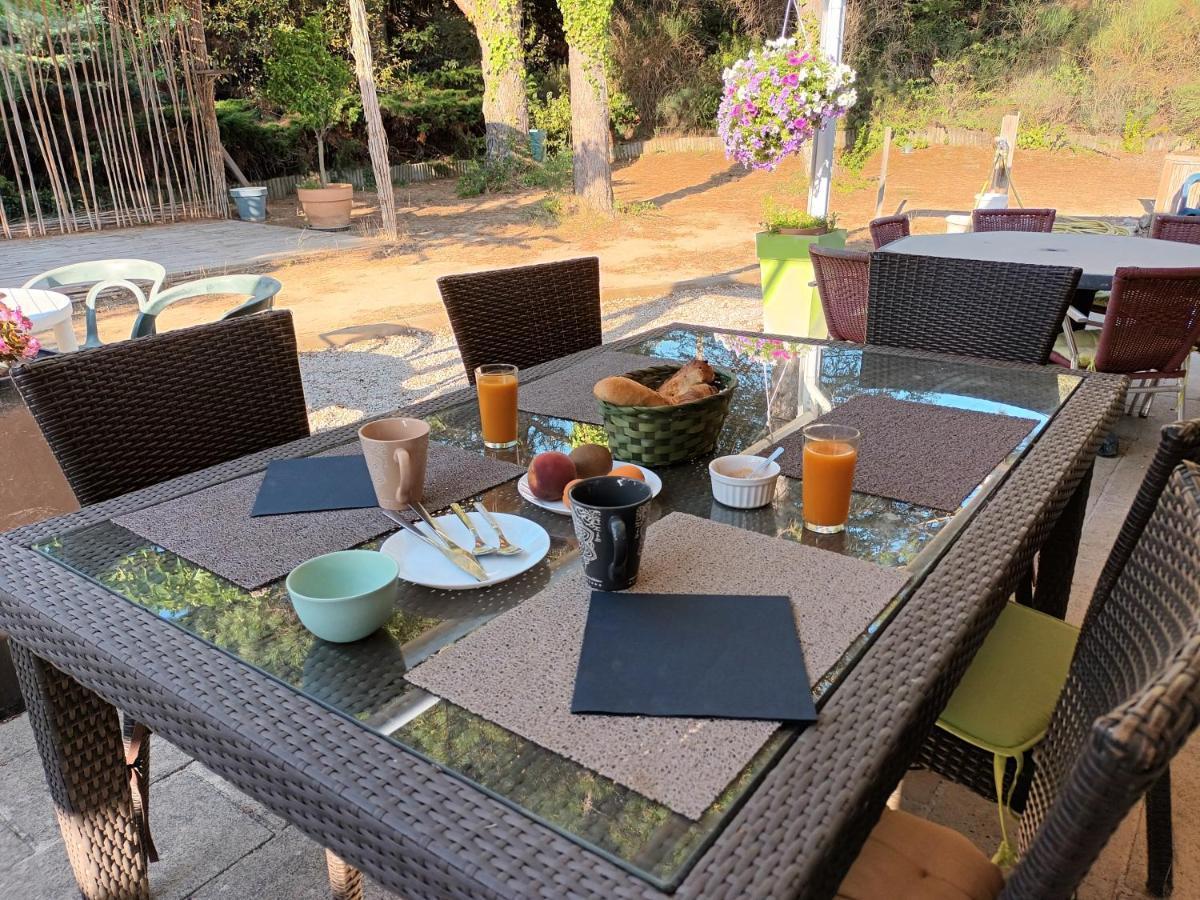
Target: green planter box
(790, 304)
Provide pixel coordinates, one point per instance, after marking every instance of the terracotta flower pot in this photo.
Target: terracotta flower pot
(327, 208)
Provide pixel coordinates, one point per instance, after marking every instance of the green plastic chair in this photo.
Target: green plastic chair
(261, 290)
(106, 273)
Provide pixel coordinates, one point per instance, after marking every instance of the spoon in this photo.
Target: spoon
(761, 468)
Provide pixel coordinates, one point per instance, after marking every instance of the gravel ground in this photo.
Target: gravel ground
(369, 377)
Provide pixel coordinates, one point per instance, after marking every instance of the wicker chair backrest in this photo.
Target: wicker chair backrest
(843, 280)
(1039, 220)
(526, 315)
(889, 228)
(1152, 321)
(994, 310)
(1185, 229)
(1131, 699)
(128, 415)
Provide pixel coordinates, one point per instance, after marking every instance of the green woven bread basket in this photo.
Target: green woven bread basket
(665, 435)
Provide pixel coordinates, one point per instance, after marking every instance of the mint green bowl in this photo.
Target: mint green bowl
(344, 596)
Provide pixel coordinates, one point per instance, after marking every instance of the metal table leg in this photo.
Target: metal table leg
(79, 738)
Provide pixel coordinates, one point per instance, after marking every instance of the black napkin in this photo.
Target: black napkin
(702, 656)
(314, 484)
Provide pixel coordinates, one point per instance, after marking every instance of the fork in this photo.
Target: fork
(506, 548)
(480, 548)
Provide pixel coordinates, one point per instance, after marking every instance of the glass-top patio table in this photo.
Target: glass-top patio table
(433, 800)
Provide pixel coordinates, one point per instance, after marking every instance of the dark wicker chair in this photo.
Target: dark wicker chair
(843, 280)
(125, 416)
(886, 229)
(1131, 699)
(129, 415)
(994, 310)
(1185, 229)
(964, 764)
(526, 315)
(1012, 220)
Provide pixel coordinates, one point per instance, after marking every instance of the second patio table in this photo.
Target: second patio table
(1098, 255)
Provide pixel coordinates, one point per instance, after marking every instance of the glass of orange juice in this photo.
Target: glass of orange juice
(497, 389)
(830, 454)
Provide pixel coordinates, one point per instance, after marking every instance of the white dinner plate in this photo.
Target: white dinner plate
(557, 506)
(421, 564)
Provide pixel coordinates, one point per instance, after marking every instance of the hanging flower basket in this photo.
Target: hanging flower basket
(777, 98)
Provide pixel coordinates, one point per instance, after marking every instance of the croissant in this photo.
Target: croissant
(695, 392)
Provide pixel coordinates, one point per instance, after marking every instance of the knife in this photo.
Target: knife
(454, 554)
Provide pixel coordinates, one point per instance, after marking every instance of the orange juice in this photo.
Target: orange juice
(497, 390)
(828, 477)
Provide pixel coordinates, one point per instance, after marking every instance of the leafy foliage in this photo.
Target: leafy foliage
(311, 84)
(777, 216)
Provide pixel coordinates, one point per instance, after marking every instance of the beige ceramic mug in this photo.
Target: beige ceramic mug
(396, 451)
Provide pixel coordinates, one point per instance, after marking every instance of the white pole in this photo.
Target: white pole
(833, 26)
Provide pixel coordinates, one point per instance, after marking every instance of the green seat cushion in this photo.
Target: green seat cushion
(1085, 341)
(1004, 702)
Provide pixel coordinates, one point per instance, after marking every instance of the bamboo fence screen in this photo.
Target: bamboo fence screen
(106, 116)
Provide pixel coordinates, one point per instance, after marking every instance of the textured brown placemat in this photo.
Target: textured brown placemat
(213, 528)
(568, 394)
(519, 670)
(929, 455)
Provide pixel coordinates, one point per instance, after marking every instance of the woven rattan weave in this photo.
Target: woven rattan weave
(129, 415)
(843, 282)
(525, 315)
(666, 435)
(1185, 229)
(992, 310)
(1131, 699)
(1016, 219)
(426, 834)
(886, 229)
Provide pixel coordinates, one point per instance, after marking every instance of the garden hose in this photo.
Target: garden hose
(1080, 225)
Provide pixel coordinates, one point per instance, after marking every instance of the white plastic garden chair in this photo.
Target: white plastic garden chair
(260, 289)
(106, 273)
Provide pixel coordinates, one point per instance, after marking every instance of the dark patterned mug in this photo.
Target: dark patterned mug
(610, 522)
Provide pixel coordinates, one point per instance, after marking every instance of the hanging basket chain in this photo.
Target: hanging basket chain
(788, 8)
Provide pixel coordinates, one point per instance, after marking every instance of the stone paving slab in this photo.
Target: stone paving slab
(182, 247)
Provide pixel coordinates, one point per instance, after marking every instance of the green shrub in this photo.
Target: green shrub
(777, 216)
(555, 174)
(553, 116)
(261, 148)
(312, 85)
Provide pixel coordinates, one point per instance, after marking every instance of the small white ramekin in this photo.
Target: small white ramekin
(742, 493)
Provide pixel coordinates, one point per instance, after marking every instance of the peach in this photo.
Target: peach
(549, 473)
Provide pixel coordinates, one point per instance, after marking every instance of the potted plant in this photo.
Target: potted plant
(314, 87)
(791, 304)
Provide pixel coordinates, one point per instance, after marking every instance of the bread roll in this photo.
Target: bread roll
(621, 391)
(690, 374)
(695, 392)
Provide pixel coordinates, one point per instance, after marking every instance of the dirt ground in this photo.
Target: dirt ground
(698, 231)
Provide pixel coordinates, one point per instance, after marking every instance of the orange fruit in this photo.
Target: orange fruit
(566, 497)
(628, 471)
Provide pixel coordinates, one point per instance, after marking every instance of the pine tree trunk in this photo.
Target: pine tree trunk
(589, 132)
(497, 24)
(376, 137)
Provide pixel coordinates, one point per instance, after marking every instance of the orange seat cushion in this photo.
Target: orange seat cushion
(910, 858)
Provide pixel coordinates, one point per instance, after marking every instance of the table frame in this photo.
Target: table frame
(416, 829)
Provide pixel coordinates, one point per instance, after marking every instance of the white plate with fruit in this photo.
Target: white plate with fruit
(552, 474)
